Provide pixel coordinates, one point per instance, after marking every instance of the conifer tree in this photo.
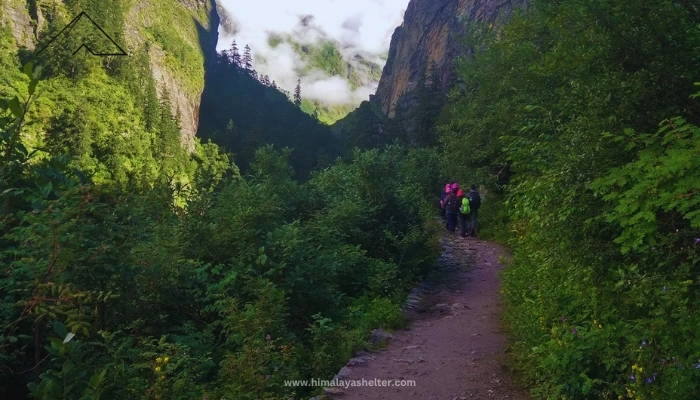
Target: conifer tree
(420, 121)
(247, 59)
(235, 54)
(151, 104)
(147, 88)
(168, 142)
(113, 24)
(434, 78)
(226, 55)
(297, 93)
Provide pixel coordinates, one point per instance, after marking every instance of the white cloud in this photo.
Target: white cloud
(363, 26)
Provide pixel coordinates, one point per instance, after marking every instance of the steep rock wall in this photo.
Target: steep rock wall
(430, 32)
(23, 28)
(197, 23)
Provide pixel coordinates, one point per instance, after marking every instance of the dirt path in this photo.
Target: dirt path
(454, 347)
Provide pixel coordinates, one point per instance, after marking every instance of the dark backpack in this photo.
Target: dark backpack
(452, 203)
(474, 200)
(443, 202)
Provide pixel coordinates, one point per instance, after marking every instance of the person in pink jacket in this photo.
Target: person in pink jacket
(443, 196)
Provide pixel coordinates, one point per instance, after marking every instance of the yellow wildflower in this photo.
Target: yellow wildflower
(157, 369)
(159, 360)
(166, 359)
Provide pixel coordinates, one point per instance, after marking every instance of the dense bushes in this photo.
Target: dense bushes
(561, 109)
(116, 292)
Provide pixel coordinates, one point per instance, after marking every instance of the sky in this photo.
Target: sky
(359, 25)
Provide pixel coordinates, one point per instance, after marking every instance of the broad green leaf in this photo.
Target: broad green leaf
(15, 107)
(28, 69)
(32, 86)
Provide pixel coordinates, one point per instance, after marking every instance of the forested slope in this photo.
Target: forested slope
(240, 114)
(581, 120)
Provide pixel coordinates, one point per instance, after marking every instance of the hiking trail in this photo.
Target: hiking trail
(454, 347)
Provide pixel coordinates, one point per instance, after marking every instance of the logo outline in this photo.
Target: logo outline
(71, 25)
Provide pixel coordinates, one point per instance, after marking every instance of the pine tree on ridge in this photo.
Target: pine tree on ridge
(297, 93)
(247, 59)
(235, 54)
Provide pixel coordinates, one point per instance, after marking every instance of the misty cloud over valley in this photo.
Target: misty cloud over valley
(286, 36)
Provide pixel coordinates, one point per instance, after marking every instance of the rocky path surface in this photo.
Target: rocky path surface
(454, 346)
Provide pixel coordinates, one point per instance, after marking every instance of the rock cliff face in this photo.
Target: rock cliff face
(24, 30)
(195, 23)
(430, 32)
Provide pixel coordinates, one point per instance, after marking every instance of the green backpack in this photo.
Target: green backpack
(465, 209)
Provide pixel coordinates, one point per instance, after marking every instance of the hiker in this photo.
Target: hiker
(463, 214)
(452, 204)
(443, 196)
(474, 204)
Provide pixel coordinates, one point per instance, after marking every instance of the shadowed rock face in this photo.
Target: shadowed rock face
(430, 32)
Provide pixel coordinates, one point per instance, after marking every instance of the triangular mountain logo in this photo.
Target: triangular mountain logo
(84, 33)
